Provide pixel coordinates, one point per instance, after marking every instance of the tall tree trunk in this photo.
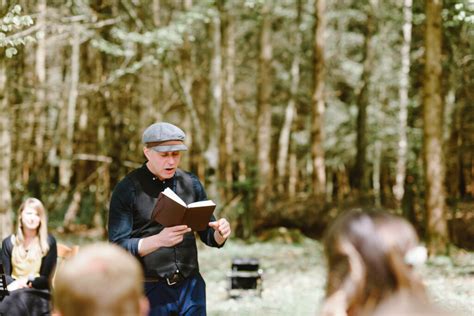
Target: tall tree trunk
(343, 183)
(264, 115)
(186, 83)
(55, 118)
(376, 175)
(399, 187)
(290, 112)
(156, 13)
(360, 174)
(466, 145)
(65, 165)
(41, 80)
(102, 194)
(453, 141)
(318, 104)
(226, 143)
(26, 136)
(212, 153)
(432, 132)
(6, 224)
(292, 175)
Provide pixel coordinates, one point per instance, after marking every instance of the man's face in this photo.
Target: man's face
(162, 164)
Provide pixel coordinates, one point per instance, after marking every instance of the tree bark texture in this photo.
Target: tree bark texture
(226, 142)
(156, 13)
(432, 132)
(318, 102)
(6, 223)
(264, 109)
(186, 82)
(360, 174)
(399, 187)
(65, 166)
(213, 119)
(40, 68)
(290, 111)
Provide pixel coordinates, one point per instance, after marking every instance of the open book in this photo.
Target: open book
(171, 210)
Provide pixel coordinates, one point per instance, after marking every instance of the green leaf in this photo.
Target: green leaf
(18, 41)
(28, 20)
(29, 39)
(16, 20)
(10, 52)
(17, 9)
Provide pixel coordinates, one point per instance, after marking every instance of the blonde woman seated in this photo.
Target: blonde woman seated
(28, 258)
(30, 255)
(370, 258)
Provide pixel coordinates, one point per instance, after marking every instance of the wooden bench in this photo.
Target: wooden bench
(64, 253)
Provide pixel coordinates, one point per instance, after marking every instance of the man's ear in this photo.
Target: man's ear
(145, 152)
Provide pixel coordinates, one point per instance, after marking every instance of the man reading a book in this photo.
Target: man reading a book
(168, 255)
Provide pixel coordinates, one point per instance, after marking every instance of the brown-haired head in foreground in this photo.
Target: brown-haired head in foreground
(370, 257)
(101, 280)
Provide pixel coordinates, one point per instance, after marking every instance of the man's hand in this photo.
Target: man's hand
(222, 230)
(171, 236)
(168, 237)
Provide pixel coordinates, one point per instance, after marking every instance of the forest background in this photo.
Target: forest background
(293, 110)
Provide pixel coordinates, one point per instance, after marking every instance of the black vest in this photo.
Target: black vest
(166, 260)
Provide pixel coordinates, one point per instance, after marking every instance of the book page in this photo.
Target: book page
(198, 217)
(170, 193)
(201, 203)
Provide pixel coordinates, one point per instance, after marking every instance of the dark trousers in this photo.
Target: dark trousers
(23, 302)
(184, 299)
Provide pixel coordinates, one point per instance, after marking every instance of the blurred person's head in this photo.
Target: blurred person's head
(404, 304)
(370, 257)
(101, 280)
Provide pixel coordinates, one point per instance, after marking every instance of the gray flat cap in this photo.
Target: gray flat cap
(162, 137)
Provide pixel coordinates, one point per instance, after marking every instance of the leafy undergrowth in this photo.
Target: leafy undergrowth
(294, 279)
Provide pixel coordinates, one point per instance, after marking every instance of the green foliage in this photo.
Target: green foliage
(167, 38)
(253, 4)
(458, 13)
(88, 207)
(10, 22)
(111, 48)
(147, 60)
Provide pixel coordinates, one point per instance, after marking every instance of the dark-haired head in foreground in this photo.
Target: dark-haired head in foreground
(370, 257)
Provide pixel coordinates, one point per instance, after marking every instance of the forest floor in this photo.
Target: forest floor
(294, 277)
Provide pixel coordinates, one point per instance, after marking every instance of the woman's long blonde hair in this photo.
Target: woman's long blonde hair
(39, 247)
(365, 253)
